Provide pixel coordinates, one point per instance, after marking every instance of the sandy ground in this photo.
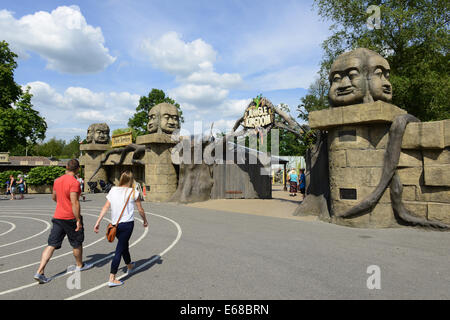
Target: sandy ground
(281, 205)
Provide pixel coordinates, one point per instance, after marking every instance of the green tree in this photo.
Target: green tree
(20, 124)
(51, 148)
(9, 89)
(290, 144)
(139, 121)
(413, 37)
(71, 150)
(315, 99)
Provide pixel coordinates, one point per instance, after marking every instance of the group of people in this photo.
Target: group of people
(14, 186)
(67, 220)
(296, 182)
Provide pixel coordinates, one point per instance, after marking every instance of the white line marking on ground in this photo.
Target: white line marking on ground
(38, 234)
(69, 272)
(54, 257)
(141, 266)
(12, 228)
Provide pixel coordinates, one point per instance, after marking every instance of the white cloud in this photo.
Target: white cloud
(235, 108)
(192, 64)
(75, 98)
(82, 98)
(171, 54)
(62, 37)
(44, 94)
(288, 78)
(223, 125)
(225, 80)
(78, 107)
(199, 95)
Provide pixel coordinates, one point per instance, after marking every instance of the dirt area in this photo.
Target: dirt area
(281, 205)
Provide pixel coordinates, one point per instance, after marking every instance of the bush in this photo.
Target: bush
(4, 176)
(44, 175)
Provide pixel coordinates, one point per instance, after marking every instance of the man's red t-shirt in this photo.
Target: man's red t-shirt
(63, 186)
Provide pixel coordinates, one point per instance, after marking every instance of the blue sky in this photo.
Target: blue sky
(90, 61)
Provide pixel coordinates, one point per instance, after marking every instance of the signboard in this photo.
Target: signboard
(259, 114)
(4, 157)
(121, 140)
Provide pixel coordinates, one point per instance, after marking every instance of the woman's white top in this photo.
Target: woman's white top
(117, 196)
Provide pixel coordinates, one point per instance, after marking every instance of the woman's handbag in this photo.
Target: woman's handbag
(112, 229)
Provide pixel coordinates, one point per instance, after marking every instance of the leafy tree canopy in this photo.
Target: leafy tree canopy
(20, 124)
(413, 37)
(9, 89)
(58, 148)
(139, 121)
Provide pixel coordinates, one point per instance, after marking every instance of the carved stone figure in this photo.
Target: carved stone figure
(378, 77)
(163, 118)
(359, 76)
(362, 76)
(98, 133)
(90, 134)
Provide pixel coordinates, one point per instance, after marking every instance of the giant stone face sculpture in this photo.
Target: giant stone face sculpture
(378, 78)
(163, 118)
(359, 76)
(98, 133)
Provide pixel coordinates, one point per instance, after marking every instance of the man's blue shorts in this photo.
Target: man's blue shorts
(61, 228)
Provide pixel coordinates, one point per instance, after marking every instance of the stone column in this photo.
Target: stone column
(92, 156)
(160, 174)
(357, 141)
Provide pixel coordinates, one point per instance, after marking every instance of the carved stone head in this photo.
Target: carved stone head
(378, 77)
(164, 118)
(98, 133)
(90, 134)
(359, 76)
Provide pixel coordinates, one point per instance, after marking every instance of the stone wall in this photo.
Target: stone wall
(424, 169)
(357, 140)
(158, 174)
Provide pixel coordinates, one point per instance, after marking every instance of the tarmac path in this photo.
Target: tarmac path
(197, 253)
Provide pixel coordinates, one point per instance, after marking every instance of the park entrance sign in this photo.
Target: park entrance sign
(122, 140)
(259, 114)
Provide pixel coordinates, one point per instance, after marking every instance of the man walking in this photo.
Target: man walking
(67, 220)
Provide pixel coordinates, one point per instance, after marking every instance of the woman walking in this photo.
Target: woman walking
(122, 198)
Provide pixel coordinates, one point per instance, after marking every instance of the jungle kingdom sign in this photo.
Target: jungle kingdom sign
(121, 140)
(259, 114)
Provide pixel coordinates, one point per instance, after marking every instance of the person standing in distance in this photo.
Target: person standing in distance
(67, 220)
(302, 182)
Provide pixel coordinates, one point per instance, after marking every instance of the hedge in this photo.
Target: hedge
(44, 175)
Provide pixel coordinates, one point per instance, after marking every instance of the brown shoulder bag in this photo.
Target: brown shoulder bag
(112, 229)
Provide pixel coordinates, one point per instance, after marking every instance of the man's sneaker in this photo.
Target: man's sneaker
(74, 268)
(86, 266)
(41, 278)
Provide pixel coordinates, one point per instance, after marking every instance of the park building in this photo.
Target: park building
(26, 163)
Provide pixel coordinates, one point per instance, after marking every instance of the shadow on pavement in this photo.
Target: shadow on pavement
(144, 264)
